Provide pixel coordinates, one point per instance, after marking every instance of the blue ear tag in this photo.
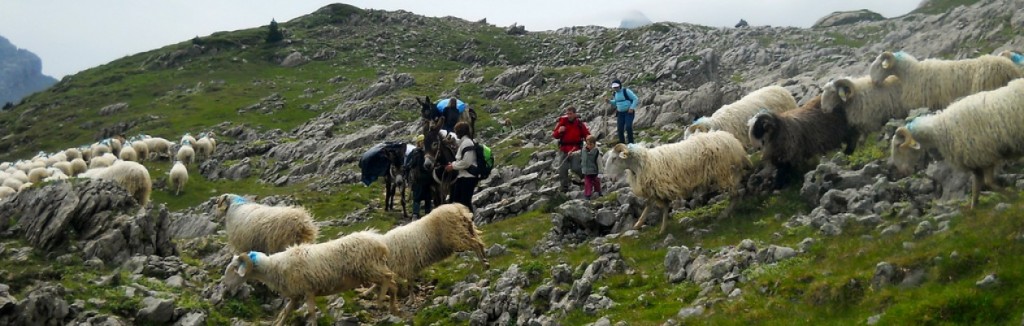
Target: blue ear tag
(899, 55)
(253, 256)
(1017, 58)
(238, 200)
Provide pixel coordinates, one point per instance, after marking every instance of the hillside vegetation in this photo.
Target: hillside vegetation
(297, 114)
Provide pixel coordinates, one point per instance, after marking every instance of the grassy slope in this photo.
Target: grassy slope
(828, 285)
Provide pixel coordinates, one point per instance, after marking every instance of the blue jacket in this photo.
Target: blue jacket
(622, 103)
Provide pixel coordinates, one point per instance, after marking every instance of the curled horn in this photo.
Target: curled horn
(622, 149)
(908, 139)
(844, 88)
(887, 60)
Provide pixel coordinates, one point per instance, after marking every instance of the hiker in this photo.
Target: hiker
(570, 132)
(625, 102)
(420, 179)
(591, 167)
(465, 157)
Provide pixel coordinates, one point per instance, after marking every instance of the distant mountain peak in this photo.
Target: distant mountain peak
(21, 73)
(634, 19)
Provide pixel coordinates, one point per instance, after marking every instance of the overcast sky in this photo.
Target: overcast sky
(72, 35)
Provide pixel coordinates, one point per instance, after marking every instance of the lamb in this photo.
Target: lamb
(935, 83)
(131, 176)
(792, 137)
(255, 227)
(974, 134)
(178, 177)
(866, 106)
(305, 271)
(78, 166)
(705, 161)
(445, 230)
(733, 117)
(186, 153)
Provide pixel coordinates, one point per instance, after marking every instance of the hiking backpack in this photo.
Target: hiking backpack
(484, 161)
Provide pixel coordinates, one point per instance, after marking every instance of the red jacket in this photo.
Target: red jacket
(575, 133)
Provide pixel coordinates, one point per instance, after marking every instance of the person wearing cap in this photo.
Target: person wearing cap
(419, 176)
(625, 102)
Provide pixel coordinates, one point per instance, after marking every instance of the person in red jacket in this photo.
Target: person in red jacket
(571, 132)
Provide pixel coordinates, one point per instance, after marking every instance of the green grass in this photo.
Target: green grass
(940, 6)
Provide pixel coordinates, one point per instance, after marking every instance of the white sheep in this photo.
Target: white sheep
(867, 106)
(178, 177)
(203, 148)
(305, 271)
(141, 149)
(56, 158)
(12, 182)
(159, 147)
(103, 161)
(78, 166)
(55, 174)
(733, 117)
(705, 161)
(187, 139)
(252, 226)
(131, 176)
(447, 229)
(36, 175)
(86, 152)
(64, 167)
(6, 191)
(128, 154)
(974, 134)
(100, 148)
(115, 144)
(72, 153)
(935, 83)
(186, 153)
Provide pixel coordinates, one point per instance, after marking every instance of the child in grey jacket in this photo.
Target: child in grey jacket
(590, 157)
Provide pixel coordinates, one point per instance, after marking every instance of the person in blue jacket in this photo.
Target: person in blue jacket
(625, 102)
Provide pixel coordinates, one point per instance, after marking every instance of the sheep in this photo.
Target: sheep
(974, 134)
(705, 161)
(187, 139)
(1016, 57)
(141, 149)
(203, 148)
(12, 182)
(131, 176)
(78, 166)
(56, 158)
(72, 153)
(305, 271)
(106, 160)
(55, 174)
(37, 175)
(790, 138)
(6, 191)
(128, 153)
(270, 229)
(178, 177)
(64, 167)
(100, 148)
(733, 117)
(445, 230)
(115, 143)
(935, 83)
(186, 153)
(866, 106)
(86, 152)
(159, 146)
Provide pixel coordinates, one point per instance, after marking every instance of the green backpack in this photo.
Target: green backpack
(484, 161)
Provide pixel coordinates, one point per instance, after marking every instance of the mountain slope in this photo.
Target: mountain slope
(851, 245)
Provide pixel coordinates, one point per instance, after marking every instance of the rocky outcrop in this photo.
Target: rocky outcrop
(840, 18)
(95, 215)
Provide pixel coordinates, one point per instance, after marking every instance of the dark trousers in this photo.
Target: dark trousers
(625, 124)
(421, 192)
(462, 192)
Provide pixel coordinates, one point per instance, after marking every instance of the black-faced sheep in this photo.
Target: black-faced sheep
(705, 161)
(447, 229)
(791, 138)
(733, 117)
(305, 271)
(867, 106)
(935, 83)
(974, 134)
(255, 227)
(131, 176)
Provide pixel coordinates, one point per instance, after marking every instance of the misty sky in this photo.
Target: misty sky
(70, 36)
